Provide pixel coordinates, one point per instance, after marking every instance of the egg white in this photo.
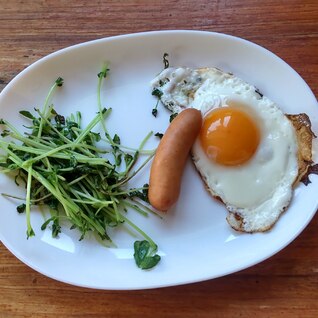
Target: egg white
(256, 192)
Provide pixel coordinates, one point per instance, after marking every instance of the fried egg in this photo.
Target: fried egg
(246, 152)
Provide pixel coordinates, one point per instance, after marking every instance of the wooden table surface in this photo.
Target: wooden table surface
(286, 285)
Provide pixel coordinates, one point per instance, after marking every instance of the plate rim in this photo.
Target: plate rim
(154, 32)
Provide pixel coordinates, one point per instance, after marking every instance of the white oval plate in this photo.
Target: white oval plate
(194, 239)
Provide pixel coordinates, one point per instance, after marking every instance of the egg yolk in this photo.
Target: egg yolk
(229, 136)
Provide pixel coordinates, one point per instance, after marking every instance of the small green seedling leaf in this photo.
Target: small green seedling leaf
(21, 208)
(172, 117)
(26, 114)
(165, 60)
(145, 255)
(159, 135)
(59, 81)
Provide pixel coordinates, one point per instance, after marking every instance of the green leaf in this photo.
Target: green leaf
(157, 92)
(118, 159)
(257, 91)
(5, 133)
(150, 262)
(30, 233)
(159, 135)
(116, 139)
(145, 255)
(18, 176)
(59, 119)
(143, 195)
(56, 228)
(21, 208)
(96, 136)
(53, 111)
(155, 109)
(145, 191)
(165, 60)
(73, 161)
(59, 81)
(103, 73)
(128, 159)
(172, 117)
(72, 124)
(164, 81)
(26, 114)
(154, 112)
(46, 223)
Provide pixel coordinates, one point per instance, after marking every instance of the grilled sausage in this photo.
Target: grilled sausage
(170, 159)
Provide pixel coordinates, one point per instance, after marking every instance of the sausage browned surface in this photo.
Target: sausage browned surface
(170, 158)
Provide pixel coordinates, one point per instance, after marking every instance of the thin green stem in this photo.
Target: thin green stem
(30, 231)
(46, 102)
(140, 231)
